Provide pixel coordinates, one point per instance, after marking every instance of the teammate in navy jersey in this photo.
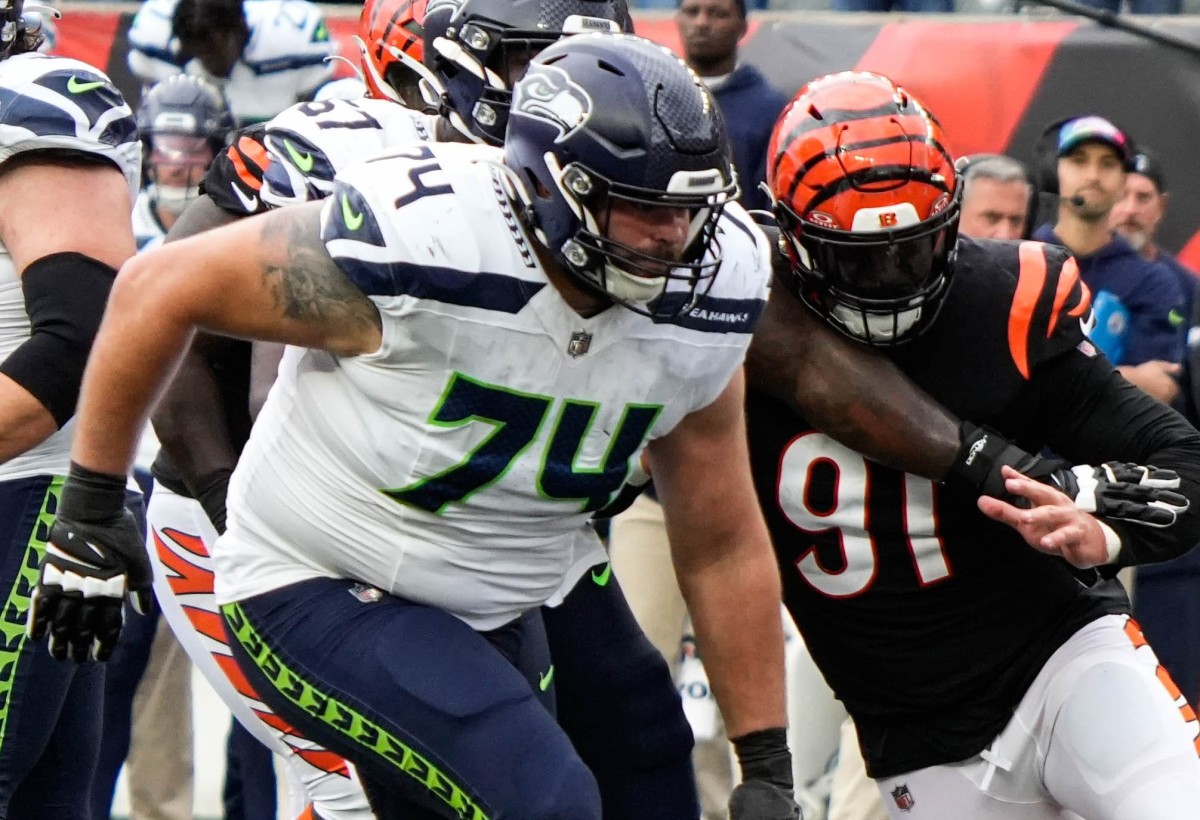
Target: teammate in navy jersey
(67, 182)
(987, 679)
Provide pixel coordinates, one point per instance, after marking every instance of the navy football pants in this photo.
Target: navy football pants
(50, 710)
(431, 712)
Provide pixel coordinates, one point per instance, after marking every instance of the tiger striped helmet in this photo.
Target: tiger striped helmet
(867, 199)
(392, 45)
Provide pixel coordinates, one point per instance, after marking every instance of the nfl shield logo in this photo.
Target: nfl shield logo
(579, 344)
(904, 799)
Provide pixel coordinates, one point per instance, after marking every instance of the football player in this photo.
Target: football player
(184, 124)
(70, 169)
(401, 500)
(264, 54)
(986, 679)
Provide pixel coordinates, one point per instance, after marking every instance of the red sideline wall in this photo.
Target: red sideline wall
(994, 83)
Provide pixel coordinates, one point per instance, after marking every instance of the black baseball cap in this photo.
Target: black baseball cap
(1146, 163)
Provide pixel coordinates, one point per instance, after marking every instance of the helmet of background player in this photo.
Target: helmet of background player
(184, 123)
(17, 36)
(477, 49)
(607, 119)
(867, 200)
(391, 45)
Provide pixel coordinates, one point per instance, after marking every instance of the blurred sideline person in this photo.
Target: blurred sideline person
(1138, 303)
(183, 123)
(991, 666)
(68, 177)
(996, 191)
(433, 632)
(264, 54)
(1167, 596)
(709, 32)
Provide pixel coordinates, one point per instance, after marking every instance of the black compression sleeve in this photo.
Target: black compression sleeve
(1090, 414)
(65, 294)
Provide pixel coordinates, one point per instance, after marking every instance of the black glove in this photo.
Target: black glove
(1127, 492)
(765, 792)
(95, 555)
(1121, 492)
(983, 452)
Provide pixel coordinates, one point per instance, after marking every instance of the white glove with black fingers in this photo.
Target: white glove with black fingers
(95, 557)
(1123, 491)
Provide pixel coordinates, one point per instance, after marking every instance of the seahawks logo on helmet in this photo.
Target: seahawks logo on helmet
(547, 93)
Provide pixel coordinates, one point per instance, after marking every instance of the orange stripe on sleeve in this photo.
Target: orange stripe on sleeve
(257, 154)
(1067, 279)
(1030, 281)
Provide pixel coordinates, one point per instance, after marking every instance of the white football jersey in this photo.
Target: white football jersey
(148, 230)
(459, 463)
(283, 62)
(55, 103)
(310, 142)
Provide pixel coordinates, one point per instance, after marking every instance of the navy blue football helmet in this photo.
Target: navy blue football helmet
(609, 117)
(183, 121)
(476, 50)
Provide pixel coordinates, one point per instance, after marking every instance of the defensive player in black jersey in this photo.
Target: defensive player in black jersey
(987, 679)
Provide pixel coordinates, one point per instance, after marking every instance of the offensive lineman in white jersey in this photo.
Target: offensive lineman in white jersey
(69, 167)
(308, 142)
(265, 54)
(462, 474)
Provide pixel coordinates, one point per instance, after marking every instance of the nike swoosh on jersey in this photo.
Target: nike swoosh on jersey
(601, 579)
(303, 161)
(77, 87)
(353, 221)
(249, 202)
(545, 679)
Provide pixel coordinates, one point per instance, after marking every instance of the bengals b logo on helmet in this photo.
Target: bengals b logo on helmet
(867, 199)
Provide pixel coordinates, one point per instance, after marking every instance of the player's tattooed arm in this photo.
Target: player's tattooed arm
(305, 281)
(265, 277)
(847, 391)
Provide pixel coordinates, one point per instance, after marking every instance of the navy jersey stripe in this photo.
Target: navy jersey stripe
(489, 291)
(718, 315)
(281, 64)
(166, 55)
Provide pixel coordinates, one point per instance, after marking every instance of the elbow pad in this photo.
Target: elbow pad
(65, 294)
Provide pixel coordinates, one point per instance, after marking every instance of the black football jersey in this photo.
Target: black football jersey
(929, 620)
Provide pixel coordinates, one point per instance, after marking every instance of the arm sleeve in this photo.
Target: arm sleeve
(1090, 414)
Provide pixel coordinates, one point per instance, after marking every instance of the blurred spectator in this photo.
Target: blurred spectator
(709, 31)
(1166, 596)
(264, 54)
(894, 5)
(1138, 303)
(996, 192)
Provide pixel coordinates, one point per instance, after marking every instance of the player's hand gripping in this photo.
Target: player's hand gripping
(1121, 492)
(1062, 525)
(765, 792)
(95, 556)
